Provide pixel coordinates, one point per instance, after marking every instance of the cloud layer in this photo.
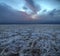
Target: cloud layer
(31, 4)
(10, 15)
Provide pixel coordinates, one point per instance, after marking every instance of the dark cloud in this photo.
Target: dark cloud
(25, 8)
(54, 12)
(51, 17)
(31, 4)
(9, 15)
(58, 0)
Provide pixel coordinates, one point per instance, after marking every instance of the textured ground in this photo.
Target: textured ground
(30, 40)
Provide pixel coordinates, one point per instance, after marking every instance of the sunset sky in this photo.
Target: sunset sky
(44, 4)
(35, 9)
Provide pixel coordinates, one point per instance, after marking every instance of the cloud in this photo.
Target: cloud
(58, 1)
(31, 4)
(54, 12)
(51, 17)
(10, 15)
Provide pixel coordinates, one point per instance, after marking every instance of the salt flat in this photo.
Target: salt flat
(30, 40)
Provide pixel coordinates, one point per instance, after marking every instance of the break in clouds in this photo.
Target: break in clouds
(20, 11)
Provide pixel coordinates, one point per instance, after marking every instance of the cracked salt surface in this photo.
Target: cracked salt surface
(30, 40)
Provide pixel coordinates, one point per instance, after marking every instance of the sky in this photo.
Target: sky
(44, 4)
(32, 8)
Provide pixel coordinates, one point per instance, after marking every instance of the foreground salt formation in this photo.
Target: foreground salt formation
(29, 40)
